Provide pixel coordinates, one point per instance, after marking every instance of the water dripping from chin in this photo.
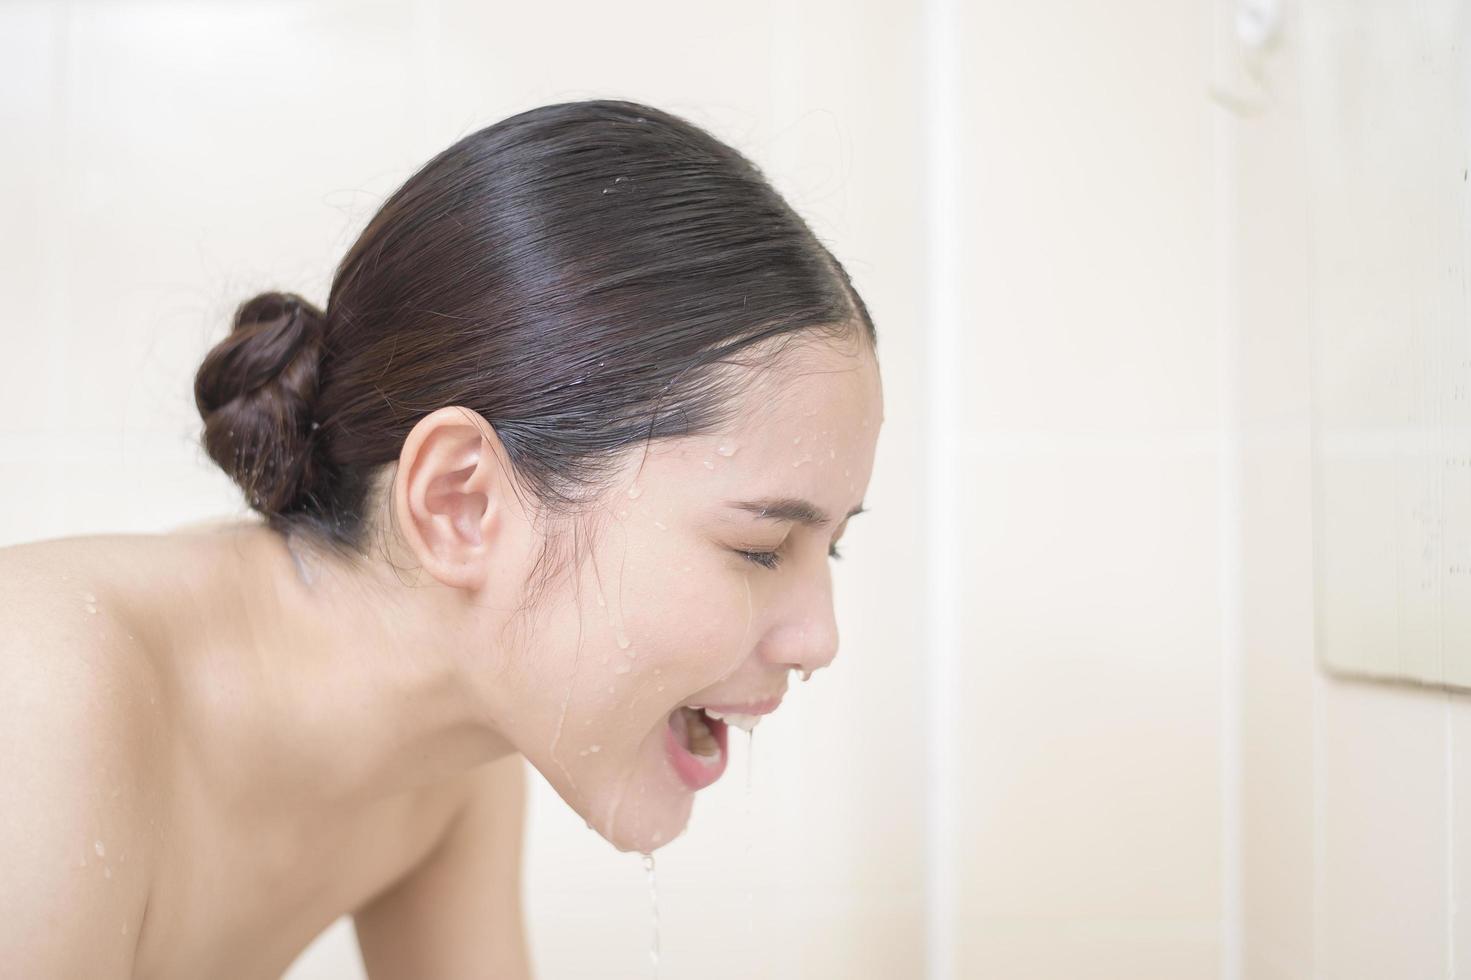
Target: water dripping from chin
(654, 906)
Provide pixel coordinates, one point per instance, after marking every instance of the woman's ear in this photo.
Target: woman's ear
(453, 496)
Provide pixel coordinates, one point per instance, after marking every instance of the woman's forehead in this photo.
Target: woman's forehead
(816, 443)
(819, 390)
(807, 430)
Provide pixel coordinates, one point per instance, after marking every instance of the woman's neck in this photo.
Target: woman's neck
(333, 688)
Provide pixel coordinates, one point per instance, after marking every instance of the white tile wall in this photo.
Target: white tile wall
(1354, 819)
(1089, 663)
(1091, 842)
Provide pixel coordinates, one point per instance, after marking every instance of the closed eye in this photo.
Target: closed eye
(771, 559)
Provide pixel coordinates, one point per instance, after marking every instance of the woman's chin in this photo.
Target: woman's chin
(643, 829)
(645, 815)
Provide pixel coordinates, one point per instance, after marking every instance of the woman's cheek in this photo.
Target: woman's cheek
(720, 631)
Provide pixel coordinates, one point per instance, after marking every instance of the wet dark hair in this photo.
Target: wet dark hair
(580, 274)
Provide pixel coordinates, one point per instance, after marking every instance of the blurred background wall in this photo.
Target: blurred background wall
(1077, 728)
(1350, 215)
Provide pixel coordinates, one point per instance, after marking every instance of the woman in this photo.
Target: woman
(562, 461)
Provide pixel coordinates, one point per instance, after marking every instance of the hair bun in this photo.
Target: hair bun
(256, 391)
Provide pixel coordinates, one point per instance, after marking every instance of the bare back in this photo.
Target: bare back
(224, 892)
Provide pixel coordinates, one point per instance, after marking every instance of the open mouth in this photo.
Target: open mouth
(696, 745)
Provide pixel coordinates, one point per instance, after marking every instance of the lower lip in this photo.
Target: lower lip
(694, 773)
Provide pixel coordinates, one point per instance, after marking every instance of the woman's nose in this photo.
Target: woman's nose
(808, 641)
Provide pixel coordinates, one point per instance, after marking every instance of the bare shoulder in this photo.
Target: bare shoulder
(62, 608)
(78, 747)
(66, 630)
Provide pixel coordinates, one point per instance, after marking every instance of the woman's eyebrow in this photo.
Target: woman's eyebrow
(788, 509)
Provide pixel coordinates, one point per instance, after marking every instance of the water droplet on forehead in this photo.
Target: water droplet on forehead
(97, 846)
(594, 748)
(634, 492)
(709, 465)
(726, 449)
(796, 440)
(660, 526)
(622, 669)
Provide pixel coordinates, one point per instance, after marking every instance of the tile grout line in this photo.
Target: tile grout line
(1229, 524)
(938, 19)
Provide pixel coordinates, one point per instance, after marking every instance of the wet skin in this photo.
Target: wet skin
(300, 707)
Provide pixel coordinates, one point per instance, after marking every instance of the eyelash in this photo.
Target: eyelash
(771, 559)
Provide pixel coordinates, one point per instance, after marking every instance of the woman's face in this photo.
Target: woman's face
(666, 611)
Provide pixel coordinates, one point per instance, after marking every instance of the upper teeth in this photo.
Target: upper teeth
(744, 722)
